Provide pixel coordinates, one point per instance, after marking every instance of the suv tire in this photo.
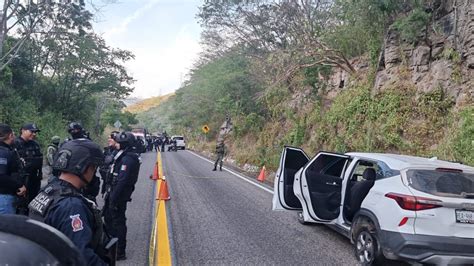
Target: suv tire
(366, 246)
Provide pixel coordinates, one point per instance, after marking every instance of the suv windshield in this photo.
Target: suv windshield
(442, 183)
(178, 138)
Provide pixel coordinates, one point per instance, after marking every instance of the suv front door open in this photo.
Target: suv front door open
(320, 185)
(291, 160)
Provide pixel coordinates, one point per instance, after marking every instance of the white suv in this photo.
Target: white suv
(390, 206)
(180, 143)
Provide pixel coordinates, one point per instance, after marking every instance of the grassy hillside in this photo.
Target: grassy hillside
(294, 90)
(147, 104)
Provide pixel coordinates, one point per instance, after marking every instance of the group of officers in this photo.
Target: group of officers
(68, 201)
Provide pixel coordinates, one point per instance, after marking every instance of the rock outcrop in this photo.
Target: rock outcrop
(443, 58)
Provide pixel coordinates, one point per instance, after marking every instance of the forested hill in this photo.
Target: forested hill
(381, 76)
(146, 104)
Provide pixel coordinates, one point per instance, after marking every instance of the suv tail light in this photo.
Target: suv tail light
(413, 203)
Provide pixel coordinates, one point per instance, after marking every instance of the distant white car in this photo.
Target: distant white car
(180, 143)
(390, 206)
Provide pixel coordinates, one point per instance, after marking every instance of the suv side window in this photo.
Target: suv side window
(336, 168)
(381, 169)
(328, 165)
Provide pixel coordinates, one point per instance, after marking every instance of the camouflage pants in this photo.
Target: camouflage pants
(219, 160)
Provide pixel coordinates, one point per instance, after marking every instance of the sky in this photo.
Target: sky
(162, 34)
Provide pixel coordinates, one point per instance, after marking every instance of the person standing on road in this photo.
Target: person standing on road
(76, 131)
(157, 143)
(30, 151)
(51, 151)
(125, 174)
(163, 142)
(11, 184)
(220, 151)
(109, 153)
(62, 205)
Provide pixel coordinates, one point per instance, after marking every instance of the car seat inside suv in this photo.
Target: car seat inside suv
(358, 191)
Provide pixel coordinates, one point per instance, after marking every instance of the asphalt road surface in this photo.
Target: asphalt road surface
(216, 218)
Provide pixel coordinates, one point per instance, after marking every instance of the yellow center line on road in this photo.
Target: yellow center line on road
(159, 252)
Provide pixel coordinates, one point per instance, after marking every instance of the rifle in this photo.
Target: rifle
(22, 201)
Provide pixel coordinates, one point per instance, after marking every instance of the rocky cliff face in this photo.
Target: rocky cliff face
(442, 58)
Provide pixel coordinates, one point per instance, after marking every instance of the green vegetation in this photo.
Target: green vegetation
(54, 69)
(411, 26)
(267, 64)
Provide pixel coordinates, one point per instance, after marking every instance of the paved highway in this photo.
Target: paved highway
(218, 218)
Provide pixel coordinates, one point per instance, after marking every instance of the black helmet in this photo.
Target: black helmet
(24, 241)
(74, 126)
(76, 155)
(113, 134)
(125, 139)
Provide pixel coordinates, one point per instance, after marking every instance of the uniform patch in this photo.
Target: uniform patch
(3, 161)
(40, 203)
(76, 223)
(62, 159)
(123, 168)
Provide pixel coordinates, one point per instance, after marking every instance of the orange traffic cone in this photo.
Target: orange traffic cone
(155, 172)
(164, 194)
(261, 176)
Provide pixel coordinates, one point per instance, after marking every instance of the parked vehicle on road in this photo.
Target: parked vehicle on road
(390, 206)
(180, 143)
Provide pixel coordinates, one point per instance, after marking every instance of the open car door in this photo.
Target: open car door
(319, 187)
(291, 160)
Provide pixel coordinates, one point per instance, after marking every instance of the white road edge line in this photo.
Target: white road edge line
(237, 175)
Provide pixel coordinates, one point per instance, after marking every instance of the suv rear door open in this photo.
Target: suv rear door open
(319, 187)
(291, 160)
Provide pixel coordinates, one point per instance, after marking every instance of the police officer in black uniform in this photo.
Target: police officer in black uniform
(11, 185)
(62, 205)
(109, 153)
(30, 152)
(76, 131)
(125, 174)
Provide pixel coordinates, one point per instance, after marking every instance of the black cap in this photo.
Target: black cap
(31, 127)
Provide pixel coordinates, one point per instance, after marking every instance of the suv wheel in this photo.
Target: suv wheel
(366, 246)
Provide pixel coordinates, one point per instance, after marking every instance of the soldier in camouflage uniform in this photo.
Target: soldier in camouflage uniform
(50, 152)
(221, 151)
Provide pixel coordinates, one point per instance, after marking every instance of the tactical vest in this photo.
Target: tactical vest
(113, 169)
(31, 153)
(52, 195)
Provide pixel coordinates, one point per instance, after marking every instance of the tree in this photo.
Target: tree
(22, 20)
(291, 29)
(55, 69)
